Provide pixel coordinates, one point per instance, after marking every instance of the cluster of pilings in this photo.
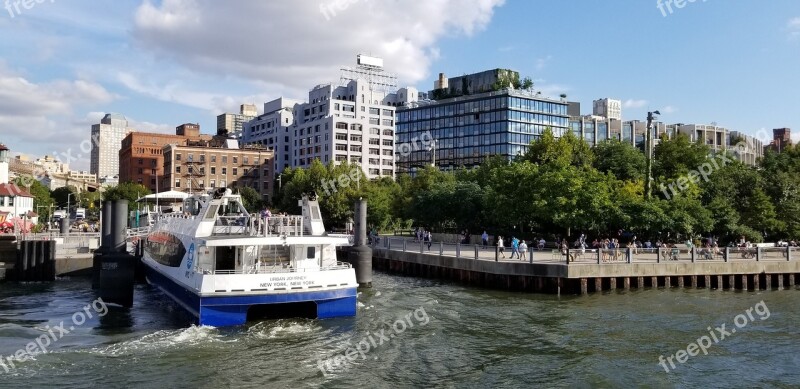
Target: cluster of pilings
(113, 269)
(30, 260)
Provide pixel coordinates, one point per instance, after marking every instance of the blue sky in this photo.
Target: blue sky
(64, 63)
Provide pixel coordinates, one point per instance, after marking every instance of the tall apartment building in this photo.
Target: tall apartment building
(233, 123)
(106, 141)
(141, 158)
(218, 163)
(609, 108)
(468, 128)
(781, 139)
(353, 121)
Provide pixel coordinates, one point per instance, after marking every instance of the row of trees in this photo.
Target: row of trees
(562, 187)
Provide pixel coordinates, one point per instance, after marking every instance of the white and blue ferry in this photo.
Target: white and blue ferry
(225, 266)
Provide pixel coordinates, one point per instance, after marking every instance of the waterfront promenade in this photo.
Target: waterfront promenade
(548, 270)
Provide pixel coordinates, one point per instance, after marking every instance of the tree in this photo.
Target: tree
(568, 150)
(527, 83)
(126, 191)
(674, 158)
(42, 200)
(621, 159)
(61, 195)
(251, 199)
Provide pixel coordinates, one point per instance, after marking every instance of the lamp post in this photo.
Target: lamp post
(649, 152)
(433, 153)
(279, 180)
(68, 213)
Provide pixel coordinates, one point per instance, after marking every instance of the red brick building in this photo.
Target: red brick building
(141, 158)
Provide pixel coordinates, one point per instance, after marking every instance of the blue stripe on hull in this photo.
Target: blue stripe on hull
(225, 311)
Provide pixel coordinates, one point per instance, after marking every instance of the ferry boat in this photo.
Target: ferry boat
(224, 265)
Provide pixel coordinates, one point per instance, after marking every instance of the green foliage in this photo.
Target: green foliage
(562, 187)
(251, 199)
(620, 159)
(61, 195)
(126, 191)
(42, 199)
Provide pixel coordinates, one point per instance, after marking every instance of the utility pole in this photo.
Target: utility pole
(648, 149)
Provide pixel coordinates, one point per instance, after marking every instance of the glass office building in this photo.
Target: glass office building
(467, 129)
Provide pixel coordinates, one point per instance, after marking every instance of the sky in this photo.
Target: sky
(65, 63)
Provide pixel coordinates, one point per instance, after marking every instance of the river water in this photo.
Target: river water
(408, 333)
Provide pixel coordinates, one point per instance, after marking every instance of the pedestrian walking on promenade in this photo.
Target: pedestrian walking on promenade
(523, 250)
(485, 239)
(514, 247)
(500, 246)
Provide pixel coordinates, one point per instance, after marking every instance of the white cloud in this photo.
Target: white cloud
(32, 112)
(541, 63)
(631, 103)
(793, 25)
(302, 43)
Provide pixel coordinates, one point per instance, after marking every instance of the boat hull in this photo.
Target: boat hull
(231, 309)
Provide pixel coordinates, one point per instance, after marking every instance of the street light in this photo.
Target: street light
(432, 149)
(649, 152)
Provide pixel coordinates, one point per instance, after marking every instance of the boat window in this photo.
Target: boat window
(315, 212)
(311, 251)
(212, 211)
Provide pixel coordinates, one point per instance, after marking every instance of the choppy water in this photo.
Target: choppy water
(449, 336)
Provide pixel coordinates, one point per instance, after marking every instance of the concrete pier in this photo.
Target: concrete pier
(549, 272)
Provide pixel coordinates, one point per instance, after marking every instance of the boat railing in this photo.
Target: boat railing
(270, 226)
(270, 269)
(232, 225)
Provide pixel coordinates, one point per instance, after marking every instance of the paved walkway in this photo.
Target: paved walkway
(578, 257)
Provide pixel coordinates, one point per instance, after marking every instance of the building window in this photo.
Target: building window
(340, 126)
(141, 161)
(235, 171)
(224, 160)
(177, 169)
(235, 160)
(213, 170)
(178, 157)
(224, 171)
(213, 158)
(177, 183)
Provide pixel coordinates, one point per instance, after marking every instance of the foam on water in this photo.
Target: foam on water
(165, 340)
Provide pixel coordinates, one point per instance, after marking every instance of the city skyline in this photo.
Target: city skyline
(70, 64)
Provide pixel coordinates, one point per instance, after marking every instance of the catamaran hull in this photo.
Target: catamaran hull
(231, 310)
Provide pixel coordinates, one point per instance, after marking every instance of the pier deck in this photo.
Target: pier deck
(548, 271)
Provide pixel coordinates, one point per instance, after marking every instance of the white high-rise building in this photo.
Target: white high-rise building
(353, 121)
(608, 108)
(106, 142)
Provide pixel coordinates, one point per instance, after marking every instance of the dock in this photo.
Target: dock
(592, 271)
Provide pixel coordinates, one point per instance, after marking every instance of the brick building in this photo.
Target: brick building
(141, 159)
(198, 166)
